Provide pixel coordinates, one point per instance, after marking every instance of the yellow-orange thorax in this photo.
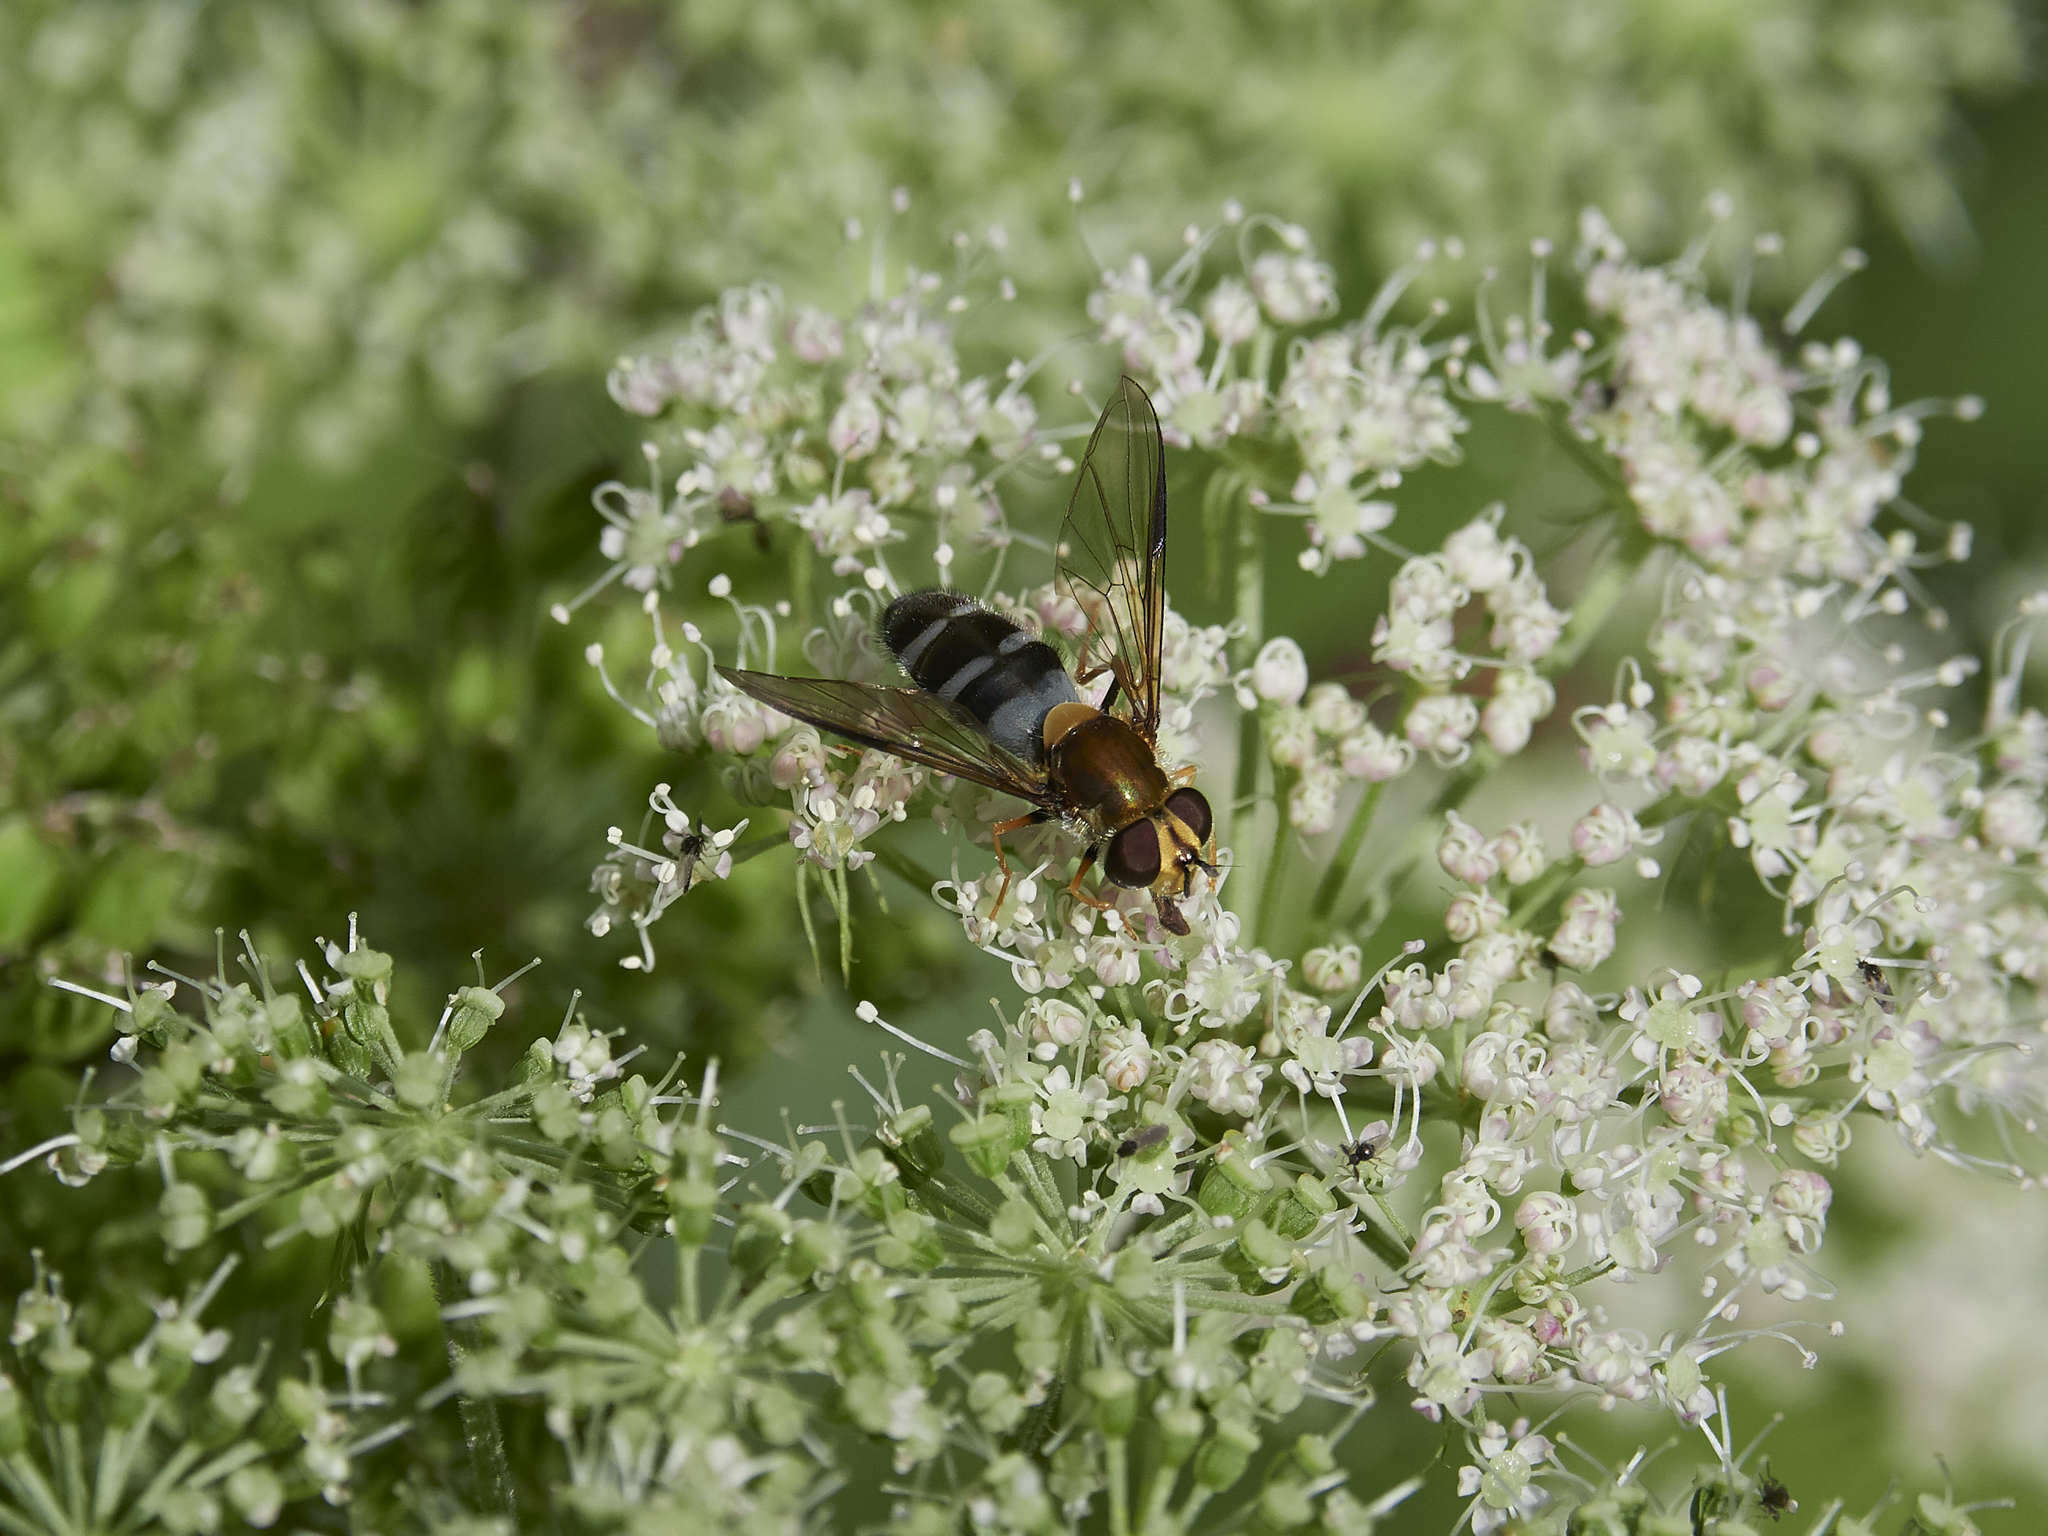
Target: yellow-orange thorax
(1104, 771)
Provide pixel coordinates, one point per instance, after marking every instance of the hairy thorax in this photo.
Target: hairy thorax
(1103, 769)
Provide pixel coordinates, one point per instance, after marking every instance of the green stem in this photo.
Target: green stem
(1053, 1238)
(961, 1201)
(1237, 1301)
(25, 1480)
(1610, 582)
(844, 902)
(1250, 625)
(485, 1436)
(904, 868)
(1400, 1227)
(803, 908)
(1276, 864)
(1338, 875)
(1594, 1271)
(1539, 894)
(1383, 1246)
(799, 584)
(1044, 1184)
(1158, 1489)
(1117, 1470)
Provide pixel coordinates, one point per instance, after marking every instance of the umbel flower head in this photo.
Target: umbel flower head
(1428, 1081)
(1463, 1093)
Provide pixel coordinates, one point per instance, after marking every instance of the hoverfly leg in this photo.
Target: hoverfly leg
(1014, 824)
(1182, 776)
(1074, 886)
(1088, 674)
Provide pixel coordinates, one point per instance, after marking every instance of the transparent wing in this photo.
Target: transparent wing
(908, 722)
(1112, 552)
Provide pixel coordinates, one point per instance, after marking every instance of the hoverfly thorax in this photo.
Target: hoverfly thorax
(995, 704)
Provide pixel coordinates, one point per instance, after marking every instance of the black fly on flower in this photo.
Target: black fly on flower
(995, 705)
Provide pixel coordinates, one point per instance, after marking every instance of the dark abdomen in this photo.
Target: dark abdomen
(996, 671)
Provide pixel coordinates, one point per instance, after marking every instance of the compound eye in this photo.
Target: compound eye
(1133, 856)
(1192, 807)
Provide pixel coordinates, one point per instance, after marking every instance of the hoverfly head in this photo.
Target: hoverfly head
(1161, 853)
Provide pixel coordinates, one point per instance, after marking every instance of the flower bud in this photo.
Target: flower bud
(1231, 313)
(692, 1207)
(1472, 913)
(1112, 1395)
(1279, 672)
(1332, 969)
(1442, 725)
(1463, 853)
(1370, 754)
(418, 1080)
(256, 1493)
(476, 1010)
(184, 1217)
(1604, 835)
(1548, 1222)
(988, 1142)
(1233, 1187)
(856, 427)
(1225, 1455)
(1182, 1427)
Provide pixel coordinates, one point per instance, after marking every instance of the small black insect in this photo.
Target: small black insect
(1139, 1140)
(1360, 1152)
(1773, 1495)
(1874, 981)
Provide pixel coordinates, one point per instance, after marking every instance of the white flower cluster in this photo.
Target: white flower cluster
(1361, 404)
(781, 413)
(1616, 1113)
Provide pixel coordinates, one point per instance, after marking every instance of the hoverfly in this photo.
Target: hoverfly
(994, 704)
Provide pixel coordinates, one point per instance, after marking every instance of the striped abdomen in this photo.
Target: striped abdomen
(999, 673)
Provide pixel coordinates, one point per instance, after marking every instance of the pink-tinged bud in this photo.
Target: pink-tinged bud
(1693, 1095)
(1521, 854)
(1692, 765)
(815, 336)
(1568, 1013)
(856, 427)
(1772, 686)
(1372, 755)
(1549, 1223)
(1442, 726)
(1464, 854)
(1804, 1194)
(1312, 807)
(1586, 936)
(1604, 835)
(1472, 913)
(1055, 1023)
(1125, 1058)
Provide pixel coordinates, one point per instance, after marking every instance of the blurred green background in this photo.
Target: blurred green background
(304, 316)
